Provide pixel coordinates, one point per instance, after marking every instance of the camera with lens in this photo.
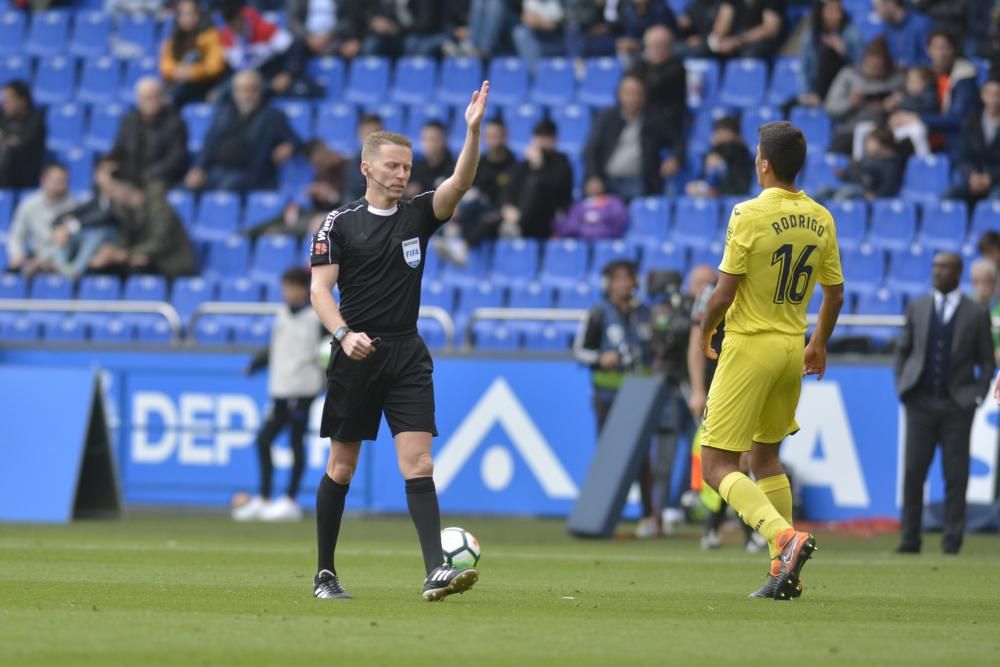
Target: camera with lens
(670, 315)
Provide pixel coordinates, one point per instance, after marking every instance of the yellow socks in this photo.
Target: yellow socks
(752, 505)
(779, 493)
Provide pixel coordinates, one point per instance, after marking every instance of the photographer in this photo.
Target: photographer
(614, 340)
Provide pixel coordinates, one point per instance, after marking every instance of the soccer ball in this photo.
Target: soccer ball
(461, 548)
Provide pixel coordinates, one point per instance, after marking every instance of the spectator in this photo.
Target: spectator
(637, 17)
(694, 25)
(81, 233)
(251, 42)
(489, 22)
(22, 138)
(324, 26)
(728, 165)
(905, 32)
(432, 24)
(540, 186)
(383, 31)
(747, 28)
(990, 49)
(859, 94)
(30, 246)
(589, 32)
(957, 95)
(245, 144)
(878, 174)
(949, 14)
(540, 33)
(664, 75)
(979, 149)
(354, 183)
(986, 292)
(191, 60)
(597, 217)
(151, 145)
(830, 44)
(434, 163)
(988, 246)
(623, 155)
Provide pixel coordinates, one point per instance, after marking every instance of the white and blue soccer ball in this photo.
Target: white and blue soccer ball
(461, 548)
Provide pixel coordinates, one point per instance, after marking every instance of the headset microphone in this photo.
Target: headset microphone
(373, 179)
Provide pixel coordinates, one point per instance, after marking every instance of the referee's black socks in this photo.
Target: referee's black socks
(422, 500)
(329, 511)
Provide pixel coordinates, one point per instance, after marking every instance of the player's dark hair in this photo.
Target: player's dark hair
(21, 89)
(296, 275)
(545, 128)
(784, 147)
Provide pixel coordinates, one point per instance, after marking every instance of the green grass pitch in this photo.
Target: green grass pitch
(189, 590)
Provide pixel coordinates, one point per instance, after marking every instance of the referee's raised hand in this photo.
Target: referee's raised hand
(477, 107)
(357, 346)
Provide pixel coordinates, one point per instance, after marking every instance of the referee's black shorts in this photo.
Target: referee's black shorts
(395, 379)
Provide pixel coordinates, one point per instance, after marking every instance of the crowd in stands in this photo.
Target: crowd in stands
(602, 109)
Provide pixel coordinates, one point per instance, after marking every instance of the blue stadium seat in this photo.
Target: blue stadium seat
(649, 220)
(851, 221)
(51, 286)
(21, 330)
(337, 125)
(228, 257)
(459, 77)
(815, 125)
(414, 80)
(65, 330)
(255, 332)
(520, 120)
(600, 82)
(784, 80)
(573, 122)
(702, 81)
(12, 286)
(743, 83)
(696, 221)
(136, 36)
(295, 175)
(136, 69)
(393, 115)
(751, 121)
(328, 72)
(367, 80)
(497, 336)
(272, 256)
(985, 217)
(91, 34)
(189, 293)
(300, 117)
(218, 215)
(943, 225)
(565, 262)
(555, 82)
(515, 261)
(211, 330)
(182, 202)
(240, 290)
(7, 198)
(48, 33)
(145, 288)
(611, 250)
(12, 29)
(894, 224)
(864, 268)
(879, 302)
(198, 118)
(909, 270)
(80, 164)
(821, 170)
(483, 294)
(54, 80)
(64, 126)
(700, 136)
(112, 330)
(103, 126)
(530, 295)
(432, 262)
(436, 293)
(710, 255)
(99, 288)
(14, 68)
(149, 331)
(263, 205)
(432, 332)
(576, 295)
(470, 274)
(925, 179)
(663, 256)
(547, 337)
(421, 114)
(508, 81)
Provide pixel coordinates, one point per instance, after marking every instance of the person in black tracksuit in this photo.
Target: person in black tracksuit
(374, 249)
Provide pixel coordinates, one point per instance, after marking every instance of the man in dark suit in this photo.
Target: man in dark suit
(944, 365)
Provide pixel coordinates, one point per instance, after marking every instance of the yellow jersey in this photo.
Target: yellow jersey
(782, 243)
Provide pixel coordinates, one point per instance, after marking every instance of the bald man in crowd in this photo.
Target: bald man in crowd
(151, 145)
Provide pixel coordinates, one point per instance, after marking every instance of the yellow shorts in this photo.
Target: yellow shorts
(755, 391)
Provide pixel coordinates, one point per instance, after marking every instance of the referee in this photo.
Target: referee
(374, 248)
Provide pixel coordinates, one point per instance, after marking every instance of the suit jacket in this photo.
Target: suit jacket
(154, 152)
(971, 350)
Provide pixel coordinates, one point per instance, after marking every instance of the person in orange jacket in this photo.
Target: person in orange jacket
(191, 59)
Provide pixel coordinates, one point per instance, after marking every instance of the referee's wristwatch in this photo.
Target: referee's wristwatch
(340, 333)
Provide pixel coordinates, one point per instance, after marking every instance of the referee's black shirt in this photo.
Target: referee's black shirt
(381, 254)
